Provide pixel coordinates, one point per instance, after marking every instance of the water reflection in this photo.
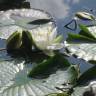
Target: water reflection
(2, 43)
(63, 10)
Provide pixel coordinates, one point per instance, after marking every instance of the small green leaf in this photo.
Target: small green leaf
(14, 41)
(27, 39)
(40, 21)
(76, 38)
(87, 76)
(59, 94)
(58, 39)
(57, 61)
(28, 42)
(83, 45)
(85, 32)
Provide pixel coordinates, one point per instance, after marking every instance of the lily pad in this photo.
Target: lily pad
(86, 84)
(40, 27)
(50, 65)
(14, 79)
(19, 19)
(84, 45)
(85, 90)
(90, 74)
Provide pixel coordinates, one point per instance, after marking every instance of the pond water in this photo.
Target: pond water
(63, 11)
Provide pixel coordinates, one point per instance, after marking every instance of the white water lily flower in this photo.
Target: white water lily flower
(46, 38)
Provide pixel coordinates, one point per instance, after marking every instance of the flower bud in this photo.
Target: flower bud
(14, 41)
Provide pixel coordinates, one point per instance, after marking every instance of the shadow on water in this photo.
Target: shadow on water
(12, 4)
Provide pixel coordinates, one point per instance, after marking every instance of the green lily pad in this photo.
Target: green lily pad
(86, 32)
(79, 39)
(85, 90)
(19, 19)
(90, 74)
(41, 36)
(86, 84)
(86, 35)
(84, 44)
(49, 65)
(14, 79)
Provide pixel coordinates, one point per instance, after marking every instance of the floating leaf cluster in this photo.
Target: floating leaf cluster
(83, 46)
(42, 69)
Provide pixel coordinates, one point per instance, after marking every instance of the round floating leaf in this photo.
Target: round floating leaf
(79, 91)
(8, 69)
(85, 90)
(85, 51)
(86, 84)
(39, 24)
(86, 46)
(17, 19)
(14, 80)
